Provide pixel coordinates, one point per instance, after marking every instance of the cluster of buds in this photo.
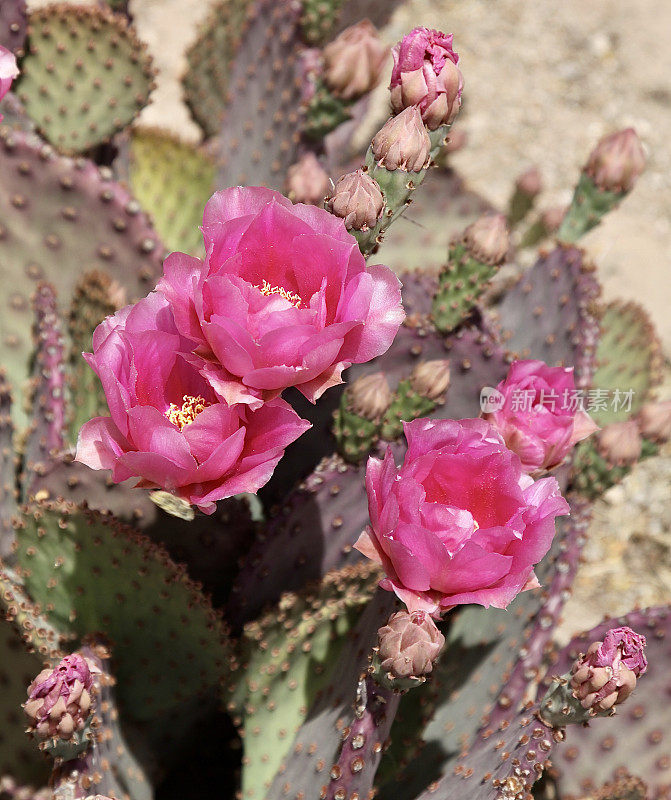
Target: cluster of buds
(59, 700)
(617, 161)
(408, 646)
(606, 675)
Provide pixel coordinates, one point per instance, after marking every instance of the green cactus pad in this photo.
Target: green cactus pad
(628, 358)
(324, 113)
(172, 180)
(355, 435)
(27, 644)
(592, 475)
(85, 76)
(588, 207)
(58, 219)
(460, 285)
(206, 80)
(288, 657)
(93, 574)
(13, 25)
(318, 19)
(406, 405)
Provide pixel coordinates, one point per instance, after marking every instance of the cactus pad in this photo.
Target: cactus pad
(13, 25)
(551, 313)
(259, 135)
(93, 574)
(628, 359)
(636, 739)
(85, 75)
(172, 180)
(61, 218)
(288, 656)
(8, 468)
(206, 80)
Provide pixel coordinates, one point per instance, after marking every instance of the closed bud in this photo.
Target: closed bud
(654, 421)
(530, 182)
(431, 378)
(353, 61)
(426, 75)
(409, 644)
(620, 443)
(607, 674)
(552, 218)
(487, 239)
(370, 396)
(403, 143)
(59, 700)
(617, 161)
(358, 200)
(307, 181)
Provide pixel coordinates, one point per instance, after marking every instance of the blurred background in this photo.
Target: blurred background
(544, 81)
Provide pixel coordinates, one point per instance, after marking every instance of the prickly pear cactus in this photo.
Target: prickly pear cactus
(245, 645)
(85, 77)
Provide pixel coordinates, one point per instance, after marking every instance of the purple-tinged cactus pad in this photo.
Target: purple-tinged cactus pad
(8, 465)
(551, 313)
(636, 739)
(259, 134)
(59, 218)
(13, 25)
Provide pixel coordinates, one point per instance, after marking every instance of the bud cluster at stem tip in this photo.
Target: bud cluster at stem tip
(617, 161)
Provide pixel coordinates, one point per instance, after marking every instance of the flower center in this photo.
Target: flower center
(189, 410)
(267, 290)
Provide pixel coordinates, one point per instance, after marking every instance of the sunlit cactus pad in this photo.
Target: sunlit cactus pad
(86, 75)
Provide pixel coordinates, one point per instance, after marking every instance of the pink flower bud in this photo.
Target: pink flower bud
(59, 700)
(616, 162)
(620, 443)
(8, 71)
(530, 182)
(409, 644)
(403, 143)
(654, 421)
(487, 239)
(552, 218)
(358, 200)
(370, 396)
(353, 61)
(607, 674)
(431, 378)
(457, 139)
(307, 181)
(425, 74)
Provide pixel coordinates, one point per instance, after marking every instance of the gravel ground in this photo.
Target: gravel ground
(544, 80)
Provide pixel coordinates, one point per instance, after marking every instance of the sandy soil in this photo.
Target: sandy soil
(544, 80)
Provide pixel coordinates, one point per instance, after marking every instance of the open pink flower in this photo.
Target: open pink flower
(426, 74)
(541, 418)
(459, 522)
(8, 71)
(167, 426)
(284, 297)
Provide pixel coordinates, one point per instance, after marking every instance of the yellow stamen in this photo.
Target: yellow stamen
(189, 410)
(267, 290)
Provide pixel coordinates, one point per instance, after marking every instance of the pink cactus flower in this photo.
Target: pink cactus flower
(8, 71)
(540, 419)
(426, 74)
(284, 297)
(607, 674)
(59, 700)
(459, 522)
(167, 426)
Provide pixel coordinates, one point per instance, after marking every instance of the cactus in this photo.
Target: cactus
(255, 642)
(187, 180)
(13, 25)
(85, 75)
